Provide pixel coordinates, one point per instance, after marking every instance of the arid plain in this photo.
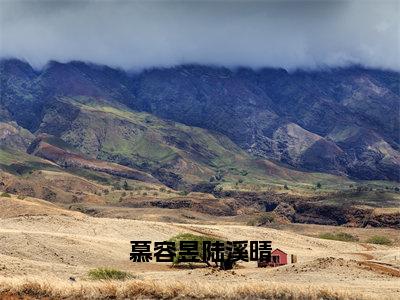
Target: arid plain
(48, 250)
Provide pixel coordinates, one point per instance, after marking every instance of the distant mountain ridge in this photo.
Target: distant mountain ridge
(340, 121)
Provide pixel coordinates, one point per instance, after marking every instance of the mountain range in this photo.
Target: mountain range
(191, 123)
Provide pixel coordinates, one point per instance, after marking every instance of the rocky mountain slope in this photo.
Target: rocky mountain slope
(340, 121)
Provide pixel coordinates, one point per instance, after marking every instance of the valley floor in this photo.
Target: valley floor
(40, 252)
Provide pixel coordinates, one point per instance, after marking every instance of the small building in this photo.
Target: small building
(278, 258)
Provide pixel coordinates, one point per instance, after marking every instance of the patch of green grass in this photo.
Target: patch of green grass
(375, 198)
(338, 236)
(22, 164)
(380, 240)
(6, 157)
(99, 177)
(5, 195)
(108, 274)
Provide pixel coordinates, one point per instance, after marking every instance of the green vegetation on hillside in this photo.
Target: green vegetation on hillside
(338, 236)
(176, 154)
(380, 240)
(149, 143)
(20, 163)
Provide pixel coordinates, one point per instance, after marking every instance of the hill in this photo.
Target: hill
(340, 121)
(208, 141)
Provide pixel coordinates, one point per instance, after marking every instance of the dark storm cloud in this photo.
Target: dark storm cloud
(136, 34)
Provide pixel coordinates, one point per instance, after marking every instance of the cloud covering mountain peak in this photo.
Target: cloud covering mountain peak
(139, 34)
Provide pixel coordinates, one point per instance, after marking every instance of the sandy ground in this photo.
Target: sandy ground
(46, 241)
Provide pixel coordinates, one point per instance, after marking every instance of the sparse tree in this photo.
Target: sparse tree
(126, 186)
(218, 189)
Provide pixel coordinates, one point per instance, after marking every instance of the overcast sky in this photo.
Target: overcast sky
(137, 34)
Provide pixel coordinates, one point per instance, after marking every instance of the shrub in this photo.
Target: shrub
(218, 189)
(380, 240)
(251, 222)
(108, 274)
(116, 186)
(286, 187)
(190, 237)
(183, 193)
(244, 173)
(219, 175)
(5, 195)
(319, 185)
(338, 236)
(263, 218)
(144, 194)
(266, 218)
(126, 186)
(162, 189)
(49, 194)
(21, 197)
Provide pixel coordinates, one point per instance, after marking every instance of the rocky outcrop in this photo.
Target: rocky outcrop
(286, 116)
(14, 137)
(316, 209)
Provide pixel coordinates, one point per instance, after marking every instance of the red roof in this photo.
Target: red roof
(278, 250)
